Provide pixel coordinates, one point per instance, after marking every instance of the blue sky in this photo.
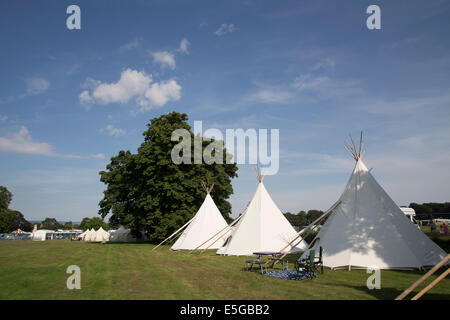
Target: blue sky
(71, 99)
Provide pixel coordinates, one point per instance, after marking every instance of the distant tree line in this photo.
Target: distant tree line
(303, 218)
(430, 207)
(428, 210)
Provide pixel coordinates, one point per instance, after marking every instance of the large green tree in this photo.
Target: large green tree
(5, 198)
(11, 220)
(147, 191)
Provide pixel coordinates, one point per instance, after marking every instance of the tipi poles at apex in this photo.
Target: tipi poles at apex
(207, 189)
(218, 237)
(354, 153)
(258, 172)
(325, 214)
(173, 234)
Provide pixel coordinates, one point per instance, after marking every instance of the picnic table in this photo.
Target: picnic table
(263, 264)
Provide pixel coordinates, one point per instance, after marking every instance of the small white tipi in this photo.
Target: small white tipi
(204, 230)
(100, 235)
(90, 235)
(368, 229)
(262, 227)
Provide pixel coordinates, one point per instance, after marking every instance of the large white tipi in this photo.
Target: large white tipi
(262, 227)
(204, 230)
(368, 229)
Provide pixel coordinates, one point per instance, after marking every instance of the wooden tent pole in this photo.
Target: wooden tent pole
(210, 238)
(423, 278)
(229, 226)
(360, 145)
(307, 227)
(173, 234)
(354, 146)
(431, 285)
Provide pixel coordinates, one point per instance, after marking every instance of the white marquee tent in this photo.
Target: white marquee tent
(262, 227)
(204, 230)
(100, 235)
(368, 229)
(82, 235)
(90, 235)
(42, 235)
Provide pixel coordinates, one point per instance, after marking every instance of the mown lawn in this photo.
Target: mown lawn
(37, 270)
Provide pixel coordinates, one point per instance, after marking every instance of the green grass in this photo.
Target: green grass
(37, 270)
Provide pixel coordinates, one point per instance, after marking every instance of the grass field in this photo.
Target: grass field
(37, 270)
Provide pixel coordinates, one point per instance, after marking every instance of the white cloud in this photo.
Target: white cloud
(131, 45)
(114, 132)
(328, 63)
(160, 93)
(132, 85)
(269, 94)
(308, 81)
(90, 83)
(98, 156)
(225, 28)
(37, 85)
(164, 58)
(184, 44)
(21, 142)
(3, 118)
(85, 99)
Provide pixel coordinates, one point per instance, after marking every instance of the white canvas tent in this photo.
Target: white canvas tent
(116, 235)
(42, 235)
(203, 231)
(82, 235)
(368, 229)
(262, 227)
(90, 235)
(124, 235)
(100, 235)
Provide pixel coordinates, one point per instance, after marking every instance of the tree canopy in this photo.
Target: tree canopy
(11, 220)
(5, 198)
(303, 218)
(93, 223)
(147, 191)
(51, 224)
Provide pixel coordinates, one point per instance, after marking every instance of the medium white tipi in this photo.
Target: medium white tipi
(368, 229)
(204, 230)
(262, 227)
